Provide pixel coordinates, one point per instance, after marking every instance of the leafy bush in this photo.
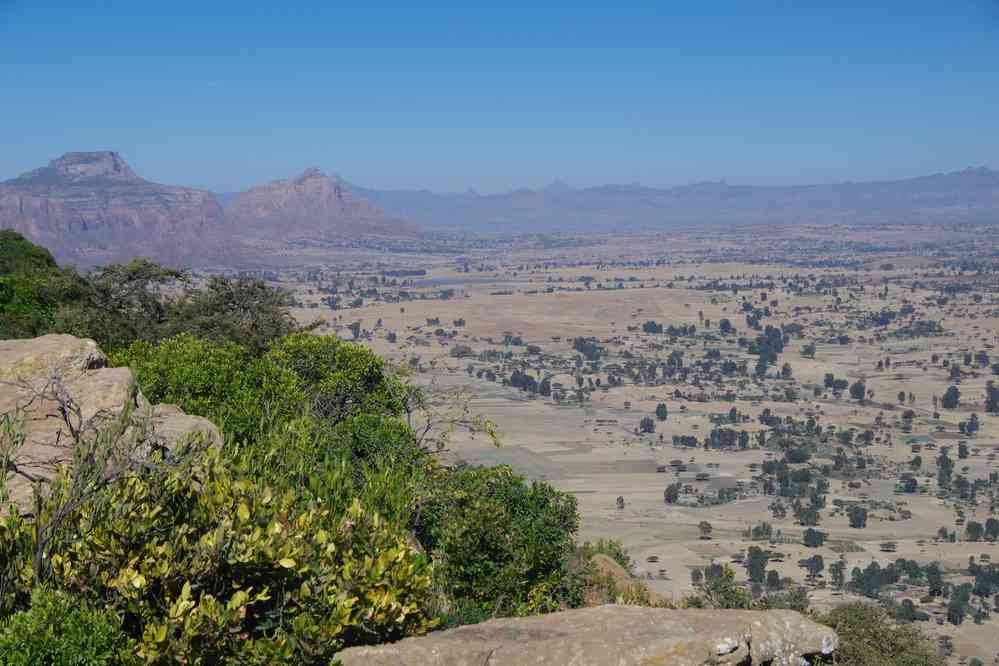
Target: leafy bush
(498, 541)
(243, 395)
(119, 304)
(370, 457)
(32, 287)
(340, 379)
(868, 637)
(59, 630)
(205, 567)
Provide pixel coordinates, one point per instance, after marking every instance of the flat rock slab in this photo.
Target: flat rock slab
(613, 635)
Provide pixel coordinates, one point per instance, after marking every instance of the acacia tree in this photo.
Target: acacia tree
(952, 398)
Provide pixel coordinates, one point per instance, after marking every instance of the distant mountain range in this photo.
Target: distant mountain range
(91, 207)
(969, 196)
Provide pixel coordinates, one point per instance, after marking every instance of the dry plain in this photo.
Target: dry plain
(479, 321)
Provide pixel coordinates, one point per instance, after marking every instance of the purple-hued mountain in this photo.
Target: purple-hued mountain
(969, 196)
(91, 208)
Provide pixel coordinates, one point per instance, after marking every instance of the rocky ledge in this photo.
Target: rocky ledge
(613, 634)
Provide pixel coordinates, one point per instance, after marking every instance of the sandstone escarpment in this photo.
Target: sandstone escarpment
(54, 384)
(89, 207)
(619, 635)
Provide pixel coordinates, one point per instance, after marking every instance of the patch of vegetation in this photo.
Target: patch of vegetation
(868, 637)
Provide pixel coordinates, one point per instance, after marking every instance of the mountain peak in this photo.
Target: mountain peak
(78, 167)
(311, 172)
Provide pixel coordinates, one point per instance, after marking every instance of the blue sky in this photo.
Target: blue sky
(453, 96)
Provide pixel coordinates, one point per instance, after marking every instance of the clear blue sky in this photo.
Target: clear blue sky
(453, 95)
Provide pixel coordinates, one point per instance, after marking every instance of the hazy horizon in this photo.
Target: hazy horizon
(451, 98)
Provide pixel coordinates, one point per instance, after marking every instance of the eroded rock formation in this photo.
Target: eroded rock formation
(618, 635)
(56, 383)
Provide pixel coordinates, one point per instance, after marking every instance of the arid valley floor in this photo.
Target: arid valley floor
(570, 344)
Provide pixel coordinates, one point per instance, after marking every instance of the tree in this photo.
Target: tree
(868, 637)
(992, 397)
(774, 583)
(813, 538)
(972, 425)
(647, 425)
(672, 493)
(756, 564)
(974, 531)
(991, 529)
(951, 398)
(815, 565)
(724, 326)
(662, 412)
(857, 516)
(705, 528)
(858, 390)
(837, 570)
(785, 371)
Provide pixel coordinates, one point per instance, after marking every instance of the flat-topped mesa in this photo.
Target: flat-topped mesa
(620, 635)
(91, 208)
(81, 167)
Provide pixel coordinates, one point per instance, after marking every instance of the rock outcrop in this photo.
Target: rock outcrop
(312, 206)
(42, 377)
(90, 207)
(619, 635)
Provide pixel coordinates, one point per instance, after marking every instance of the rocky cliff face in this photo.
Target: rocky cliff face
(313, 206)
(620, 635)
(92, 207)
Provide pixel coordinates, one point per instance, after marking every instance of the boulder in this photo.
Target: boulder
(613, 634)
(33, 372)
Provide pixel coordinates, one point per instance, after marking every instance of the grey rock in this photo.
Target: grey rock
(33, 371)
(613, 634)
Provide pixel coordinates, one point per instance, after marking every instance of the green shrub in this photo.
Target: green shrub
(243, 395)
(499, 541)
(371, 457)
(340, 379)
(206, 568)
(869, 637)
(32, 287)
(59, 630)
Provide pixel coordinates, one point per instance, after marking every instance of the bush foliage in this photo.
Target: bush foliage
(60, 630)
